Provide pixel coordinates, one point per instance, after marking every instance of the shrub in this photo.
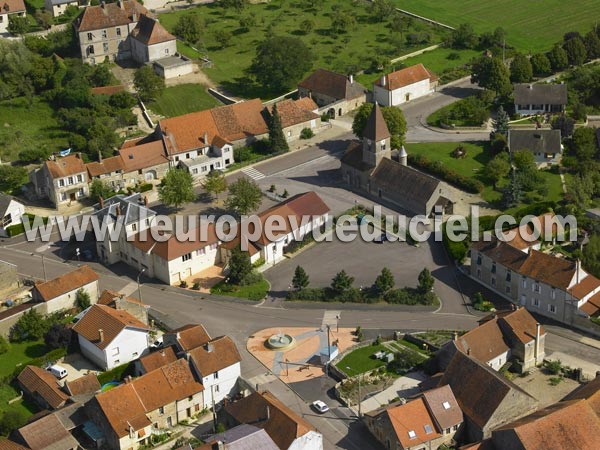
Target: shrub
(11, 420)
(58, 336)
(4, 345)
(145, 187)
(306, 133)
(453, 56)
(183, 284)
(554, 367)
(285, 194)
(30, 326)
(196, 286)
(259, 262)
(273, 188)
(325, 117)
(82, 299)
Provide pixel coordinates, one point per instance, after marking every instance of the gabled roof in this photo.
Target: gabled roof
(535, 141)
(71, 281)
(215, 355)
(501, 252)
(291, 113)
(130, 209)
(307, 103)
(443, 407)
(41, 382)
(242, 437)
(5, 200)
(332, 84)
(11, 6)
(110, 15)
(564, 425)
(376, 129)
(522, 325)
(108, 298)
(128, 403)
(47, 433)
(353, 157)
(86, 384)
(480, 390)
(592, 306)
(149, 32)
(406, 77)
(188, 336)
(7, 444)
(264, 410)
(109, 320)
(158, 359)
(590, 392)
(393, 177)
(536, 94)
(557, 272)
(63, 166)
(106, 166)
(142, 154)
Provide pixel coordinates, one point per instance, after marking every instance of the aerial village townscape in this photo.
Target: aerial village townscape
(273, 130)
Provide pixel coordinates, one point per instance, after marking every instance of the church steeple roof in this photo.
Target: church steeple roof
(376, 128)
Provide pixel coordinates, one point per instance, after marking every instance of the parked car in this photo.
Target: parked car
(58, 371)
(320, 406)
(158, 343)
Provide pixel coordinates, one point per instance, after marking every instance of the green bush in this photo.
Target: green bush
(12, 420)
(259, 262)
(4, 345)
(15, 230)
(145, 187)
(116, 374)
(196, 286)
(306, 133)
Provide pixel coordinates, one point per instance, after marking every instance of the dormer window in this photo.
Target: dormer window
(412, 434)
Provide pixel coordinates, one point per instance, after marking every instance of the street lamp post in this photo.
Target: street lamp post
(43, 265)
(359, 376)
(138, 283)
(328, 351)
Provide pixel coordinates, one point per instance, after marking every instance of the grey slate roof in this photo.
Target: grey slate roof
(353, 157)
(61, 2)
(536, 94)
(5, 200)
(245, 437)
(536, 141)
(404, 180)
(131, 208)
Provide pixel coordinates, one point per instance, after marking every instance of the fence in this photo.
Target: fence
(145, 114)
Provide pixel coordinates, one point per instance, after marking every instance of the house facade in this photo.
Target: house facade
(545, 145)
(61, 292)
(62, 180)
(404, 85)
(333, 93)
(11, 213)
(110, 337)
(8, 9)
(368, 166)
(59, 7)
(533, 99)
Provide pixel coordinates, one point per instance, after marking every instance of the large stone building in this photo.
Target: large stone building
(62, 180)
(122, 30)
(368, 166)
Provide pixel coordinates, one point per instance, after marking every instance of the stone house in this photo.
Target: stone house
(11, 213)
(59, 7)
(10, 8)
(295, 117)
(539, 98)
(61, 292)
(301, 214)
(61, 179)
(110, 337)
(369, 167)
(130, 413)
(404, 85)
(545, 145)
(428, 421)
(487, 399)
(287, 429)
(503, 336)
(42, 387)
(131, 305)
(334, 93)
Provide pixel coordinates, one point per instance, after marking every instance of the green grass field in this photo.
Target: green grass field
(7, 393)
(183, 99)
(22, 126)
(361, 360)
(531, 25)
(256, 291)
(343, 52)
(20, 353)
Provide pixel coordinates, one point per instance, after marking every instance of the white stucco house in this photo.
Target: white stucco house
(404, 85)
(539, 98)
(59, 7)
(217, 366)
(110, 337)
(11, 213)
(61, 292)
(8, 9)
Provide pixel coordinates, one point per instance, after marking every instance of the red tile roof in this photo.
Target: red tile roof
(592, 306)
(585, 286)
(61, 167)
(283, 425)
(557, 272)
(110, 321)
(6, 444)
(307, 103)
(41, 382)
(443, 407)
(590, 392)
(86, 384)
(521, 324)
(106, 166)
(107, 90)
(11, 6)
(188, 336)
(406, 77)
(65, 283)
(150, 32)
(123, 408)
(140, 154)
(215, 355)
(109, 297)
(409, 422)
(47, 433)
(291, 113)
(158, 359)
(110, 15)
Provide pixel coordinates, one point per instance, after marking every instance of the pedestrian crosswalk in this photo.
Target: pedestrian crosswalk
(253, 173)
(331, 318)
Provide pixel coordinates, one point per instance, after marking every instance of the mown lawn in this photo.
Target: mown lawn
(361, 360)
(19, 354)
(345, 52)
(183, 99)
(531, 26)
(256, 291)
(23, 127)
(7, 393)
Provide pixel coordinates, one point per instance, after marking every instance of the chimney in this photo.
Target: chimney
(118, 210)
(146, 201)
(351, 78)
(127, 379)
(209, 347)
(99, 156)
(455, 336)
(537, 341)
(219, 445)
(403, 401)
(577, 269)
(134, 17)
(102, 4)
(121, 4)
(512, 307)
(469, 351)
(205, 138)
(78, 155)
(100, 335)
(101, 201)
(268, 412)
(382, 81)
(531, 86)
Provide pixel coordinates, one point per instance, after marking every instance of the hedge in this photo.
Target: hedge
(439, 170)
(403, 296)
(19, 228)
(145, 187)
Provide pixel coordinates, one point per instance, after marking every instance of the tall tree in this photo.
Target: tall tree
(492, 74)
(464, 36)
(244, 196)
(82, 299)
(592, 44)
(584, 144)
(17, 25)
(147, 83)
(576, 52)
(342, 22)
(176, 188)
(12, 179)
(277, 140)
(239, 266)
(540, 65)
(521, 70)
(381, 9)
(384, 281)
(341, 282)
(58, 336)
(280, 62)
(558, 58)
(591, 255)
(215, 183)
(300, 280)
(511, 195)
(497, 168)
(425, 281)
(190, 28)
(99, 188)
(501, 122)
(394, 119)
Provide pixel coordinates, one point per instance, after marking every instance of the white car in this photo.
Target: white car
(320, 406)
